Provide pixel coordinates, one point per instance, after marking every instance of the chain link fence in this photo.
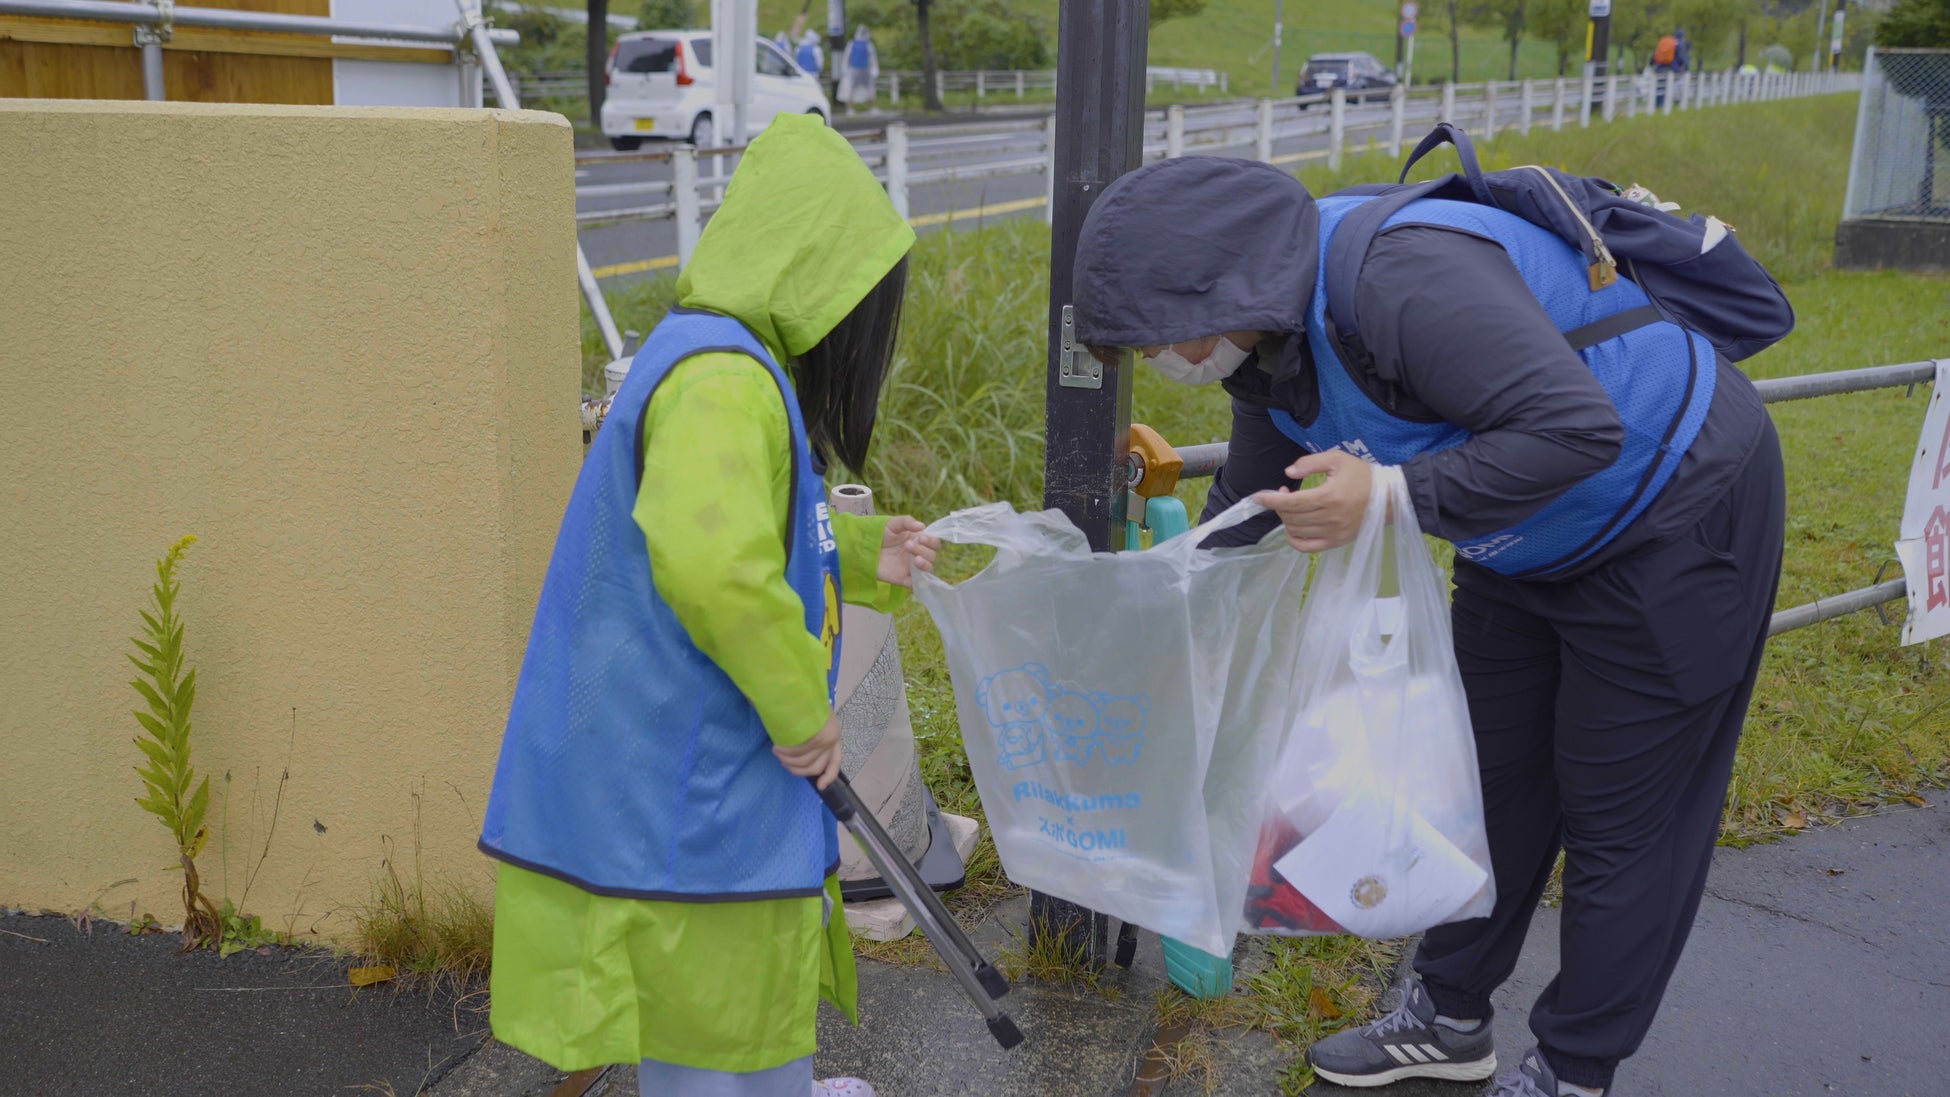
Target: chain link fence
(1901, 164)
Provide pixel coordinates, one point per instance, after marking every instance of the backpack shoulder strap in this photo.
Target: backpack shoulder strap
(1349, 248)
(1346, 253)
(1446, 134)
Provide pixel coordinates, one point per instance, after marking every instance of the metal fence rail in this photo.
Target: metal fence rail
(152, 14)
(1206, 460)
(155, 22)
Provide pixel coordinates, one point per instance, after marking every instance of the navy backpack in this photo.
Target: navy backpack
(1697, 275)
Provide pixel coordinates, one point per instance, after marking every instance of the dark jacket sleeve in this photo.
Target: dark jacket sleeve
(1256, 460)
(1452, 324)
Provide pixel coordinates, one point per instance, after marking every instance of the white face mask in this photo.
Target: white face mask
(1226, 357)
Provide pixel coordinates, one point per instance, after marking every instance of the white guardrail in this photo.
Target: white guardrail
(569, 83)
(903, 158)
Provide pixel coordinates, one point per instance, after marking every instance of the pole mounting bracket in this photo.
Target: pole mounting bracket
(164, 28)
(1080, 369)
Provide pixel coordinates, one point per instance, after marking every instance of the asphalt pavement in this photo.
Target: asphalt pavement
(97, 1012)
(1819, 965)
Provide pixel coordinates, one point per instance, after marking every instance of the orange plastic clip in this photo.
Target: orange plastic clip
(1161, 463)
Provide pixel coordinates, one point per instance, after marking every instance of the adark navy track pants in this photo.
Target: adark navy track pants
(1606, 710)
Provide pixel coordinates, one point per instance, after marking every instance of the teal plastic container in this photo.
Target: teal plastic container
(1165, 517)
(1196, 972)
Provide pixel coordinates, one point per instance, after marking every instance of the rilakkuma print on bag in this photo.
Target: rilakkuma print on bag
(1037, 720)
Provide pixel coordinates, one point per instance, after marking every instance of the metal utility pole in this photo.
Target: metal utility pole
(1835, 43)
(1279, 8)
(596, 60)
(734, 38)
(1819, 62)
(1405, 43)
(1598, 44)
(835, 49)
(1100, 63)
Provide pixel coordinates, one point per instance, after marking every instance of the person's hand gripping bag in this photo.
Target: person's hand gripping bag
(1374, 813)
(1097, 691)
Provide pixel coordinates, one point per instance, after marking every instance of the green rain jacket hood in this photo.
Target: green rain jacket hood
(804, 233)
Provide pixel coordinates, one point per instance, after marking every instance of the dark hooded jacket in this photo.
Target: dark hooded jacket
(1198, 246)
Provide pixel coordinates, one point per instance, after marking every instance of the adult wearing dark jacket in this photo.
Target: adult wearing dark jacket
(1613, 579)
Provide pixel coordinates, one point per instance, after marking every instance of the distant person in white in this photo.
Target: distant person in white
(859, 87)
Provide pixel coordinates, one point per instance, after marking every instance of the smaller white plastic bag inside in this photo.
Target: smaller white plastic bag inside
(1374, 820)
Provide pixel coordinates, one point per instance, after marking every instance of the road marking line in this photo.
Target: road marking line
(668, 262)
(615, 270)
(1295, 158)
(995, 210)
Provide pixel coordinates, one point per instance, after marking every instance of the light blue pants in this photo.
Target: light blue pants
(655, 1078)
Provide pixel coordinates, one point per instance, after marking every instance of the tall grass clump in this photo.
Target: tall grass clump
(426, 933)
(961, 420)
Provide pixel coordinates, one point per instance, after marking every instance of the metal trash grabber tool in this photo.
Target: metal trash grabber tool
(980, 981)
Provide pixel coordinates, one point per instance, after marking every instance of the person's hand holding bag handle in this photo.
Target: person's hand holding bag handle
(1329, 514)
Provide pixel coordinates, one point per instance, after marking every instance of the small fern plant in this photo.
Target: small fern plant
(169, 689)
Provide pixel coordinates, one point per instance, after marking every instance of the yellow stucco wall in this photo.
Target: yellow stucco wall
(341, 347)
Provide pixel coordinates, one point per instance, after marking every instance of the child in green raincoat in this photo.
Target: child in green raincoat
(666, 892)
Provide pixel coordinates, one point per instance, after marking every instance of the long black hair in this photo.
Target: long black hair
(839, 377)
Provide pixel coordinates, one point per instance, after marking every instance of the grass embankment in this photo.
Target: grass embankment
(1844, 720)
(1235, 36)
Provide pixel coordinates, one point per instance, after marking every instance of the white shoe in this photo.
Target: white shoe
(841, 1087)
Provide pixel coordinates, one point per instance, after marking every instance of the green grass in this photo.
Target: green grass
(1296, 989)
(1232, 36)
(433, 937)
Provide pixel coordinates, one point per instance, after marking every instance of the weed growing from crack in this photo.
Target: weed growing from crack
(173, 794)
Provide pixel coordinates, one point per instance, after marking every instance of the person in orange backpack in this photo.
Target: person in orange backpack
(1673, 54)
(1666, 52)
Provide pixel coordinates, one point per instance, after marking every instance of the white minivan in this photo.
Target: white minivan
(661, 85)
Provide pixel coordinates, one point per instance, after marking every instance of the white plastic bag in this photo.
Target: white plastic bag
(1102, 695)
(1374, 810)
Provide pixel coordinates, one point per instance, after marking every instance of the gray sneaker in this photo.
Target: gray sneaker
(1532, 1078)
(1405, 1044)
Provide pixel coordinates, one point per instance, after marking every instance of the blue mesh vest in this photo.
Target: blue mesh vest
(632, 766)
(1660, 378)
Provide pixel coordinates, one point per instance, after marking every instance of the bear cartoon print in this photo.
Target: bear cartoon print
(1037, 720)
(1120, 727)
(1014, 702)
(1072, 723)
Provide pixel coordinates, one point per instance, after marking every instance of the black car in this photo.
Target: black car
(1365, 78)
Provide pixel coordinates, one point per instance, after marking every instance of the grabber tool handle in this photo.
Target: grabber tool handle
(981, 982)
(846, 807)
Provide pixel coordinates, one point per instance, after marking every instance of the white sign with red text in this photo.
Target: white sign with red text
(1923, 544)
